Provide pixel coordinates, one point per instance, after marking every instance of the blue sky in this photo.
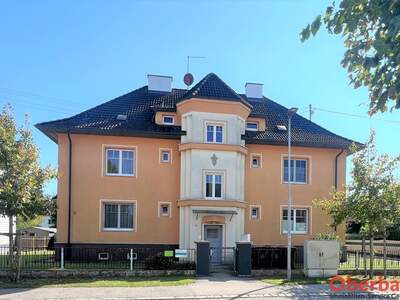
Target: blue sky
(58, 58)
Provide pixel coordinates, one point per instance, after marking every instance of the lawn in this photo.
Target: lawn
(304, 280)
(99, 282)
(378, 263)
(296, 280)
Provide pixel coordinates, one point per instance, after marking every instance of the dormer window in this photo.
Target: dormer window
(168, 120)
(252, 126)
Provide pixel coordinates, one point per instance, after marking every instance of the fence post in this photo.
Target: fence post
(203, 258)
(357, 260)
(62, 258)
(131, 260)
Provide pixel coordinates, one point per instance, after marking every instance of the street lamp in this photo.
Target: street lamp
(290, 114)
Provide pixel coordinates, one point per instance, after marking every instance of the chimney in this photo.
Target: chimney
(159, 83)
(254, 90)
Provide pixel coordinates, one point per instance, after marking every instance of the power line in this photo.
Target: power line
(354, 115)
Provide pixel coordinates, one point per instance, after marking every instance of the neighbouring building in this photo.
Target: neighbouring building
(4, 229)
(165, 167)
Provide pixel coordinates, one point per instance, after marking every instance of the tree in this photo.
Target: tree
(371, 30)
(22, 178)
(372, 197)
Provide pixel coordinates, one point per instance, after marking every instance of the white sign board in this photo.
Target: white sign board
(180, 253)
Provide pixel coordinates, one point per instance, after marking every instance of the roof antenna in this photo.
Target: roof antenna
(188, 78)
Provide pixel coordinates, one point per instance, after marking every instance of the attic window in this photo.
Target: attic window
(122, 117)
(252, 126)
(281, 127)
(168, 120)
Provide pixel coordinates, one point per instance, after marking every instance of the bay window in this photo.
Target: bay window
(214, 185)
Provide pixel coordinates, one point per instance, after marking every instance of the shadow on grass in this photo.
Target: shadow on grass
(300, 280)
(97, 282)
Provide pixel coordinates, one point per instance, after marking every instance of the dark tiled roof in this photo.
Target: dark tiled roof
(213, 87)
(140, 105)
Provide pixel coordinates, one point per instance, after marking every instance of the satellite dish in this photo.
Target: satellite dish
(188, 79)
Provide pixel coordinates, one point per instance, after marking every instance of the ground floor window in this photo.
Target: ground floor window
(299, 217)
(119, 216)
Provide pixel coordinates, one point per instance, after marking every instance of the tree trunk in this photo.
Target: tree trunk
(18, 257)
(371, 255)
(384, 254)
(364, 256)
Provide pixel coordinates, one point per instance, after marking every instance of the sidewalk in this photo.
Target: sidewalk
(219, 286)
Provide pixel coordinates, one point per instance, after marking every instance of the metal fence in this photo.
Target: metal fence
(269, 257)
(356, 260)
(139, 258)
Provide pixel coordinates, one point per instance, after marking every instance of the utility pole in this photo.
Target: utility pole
(310, 111)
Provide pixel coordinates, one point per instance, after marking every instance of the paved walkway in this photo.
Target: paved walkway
(219, 286)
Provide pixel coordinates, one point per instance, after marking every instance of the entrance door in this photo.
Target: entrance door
(213, 234)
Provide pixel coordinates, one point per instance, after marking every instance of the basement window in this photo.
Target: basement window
(103, 256)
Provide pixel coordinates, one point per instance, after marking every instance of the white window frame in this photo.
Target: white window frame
(222, 174)
(294, 220)
(120, 150)
(214, 124)
(160, 214)
(168, 116)
(294, 170)
(169, 155)
(252, 156)
(258, 207)
(252, 129)
(119, 203)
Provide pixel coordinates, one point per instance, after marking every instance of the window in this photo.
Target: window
(120, 162)
(118, 216)
(253, 126)
(164, 209)
(168, 120)
(298, 171)
(255, 213)
(165, 155)
(214, 133)
(255, 160)
(299, 219)
(103, 256)
(213, 186)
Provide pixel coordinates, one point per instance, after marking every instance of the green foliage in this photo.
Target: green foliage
(22, 178)
(326, 236)
(372, 199)
(160, 262)
(21, 223)
(371, 32)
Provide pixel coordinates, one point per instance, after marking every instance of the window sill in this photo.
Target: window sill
(119, 175)
(297, 183)
(118, 230)
(296, 233)
(206, 198)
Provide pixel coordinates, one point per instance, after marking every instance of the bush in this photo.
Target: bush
(326, 236)
(160, 262)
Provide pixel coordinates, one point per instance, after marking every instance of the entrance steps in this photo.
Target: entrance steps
(218, 268)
